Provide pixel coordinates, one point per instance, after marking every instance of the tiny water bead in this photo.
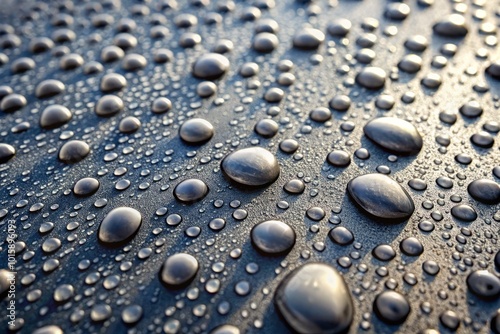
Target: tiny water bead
(253, 166)
(314, 298)
(119, 225)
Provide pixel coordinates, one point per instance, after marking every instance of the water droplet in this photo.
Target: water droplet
(273, 237)
(7, 152)
(196, 131)
(74, 151)
(210, 66)
(190, 190)
(315, 298)
(395, 135)
(381, 197)
(119, 225)
(54, 116)
(253, 166)
(371, 78)
(391, 307)
(464, 212)
(484, 191)
(179, 269)
(451, 26)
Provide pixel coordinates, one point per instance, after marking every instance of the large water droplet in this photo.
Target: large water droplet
(391, 307)
(381, 197)
(484, 284)
(119, 225)
(54, 116)
(179, 269)
(315, 299)
(451, 26)
(210, 66)
(273, 237)
(7, 152)
(371, 77)
(252, 166)
(74, 151)
(394, 134)
(485, 191)
(196, 130)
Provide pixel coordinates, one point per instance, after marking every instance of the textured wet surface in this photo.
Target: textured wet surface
(250, 167)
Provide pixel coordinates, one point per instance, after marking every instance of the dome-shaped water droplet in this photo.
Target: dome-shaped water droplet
(381, 197)
(179, 269)
(394, 134)
(273, 237)
(119, 225)
(315, 299)
(252, 166)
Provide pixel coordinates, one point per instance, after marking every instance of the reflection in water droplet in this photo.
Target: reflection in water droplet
(179, 269)
(315, 299)
(253, 166)
(273, 237)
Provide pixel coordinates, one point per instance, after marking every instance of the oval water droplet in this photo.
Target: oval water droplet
(381, 197)
(273, 237)
(394, 134)
(254, 166)
(119, 225)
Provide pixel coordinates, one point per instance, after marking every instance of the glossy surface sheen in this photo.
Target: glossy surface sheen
(314, 298)
(395, 135)
(253, 166)
(381, 197)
